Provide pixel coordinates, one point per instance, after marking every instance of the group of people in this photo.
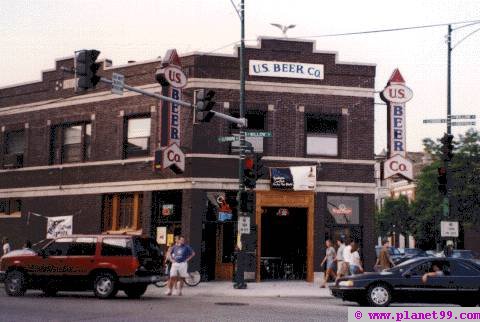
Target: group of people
(345, 260)
(178, 255)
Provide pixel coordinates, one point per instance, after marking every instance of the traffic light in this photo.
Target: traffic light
(86, 68)
(249, 175)
(203, 104)
(442, 180)
(260, 169)
(447, 147)
(246, 201)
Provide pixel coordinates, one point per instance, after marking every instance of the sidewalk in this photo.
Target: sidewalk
(263, 289)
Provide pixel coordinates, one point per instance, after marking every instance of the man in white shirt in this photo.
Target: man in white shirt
(347, 259)
(339, 258)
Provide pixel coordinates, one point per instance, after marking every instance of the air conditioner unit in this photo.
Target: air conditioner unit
(11, 161)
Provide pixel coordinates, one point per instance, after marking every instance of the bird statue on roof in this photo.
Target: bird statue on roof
(283, 28)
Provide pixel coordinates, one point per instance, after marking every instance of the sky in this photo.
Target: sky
(35, 33)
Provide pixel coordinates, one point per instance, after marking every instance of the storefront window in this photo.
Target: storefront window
(344, 210)
(122, 212)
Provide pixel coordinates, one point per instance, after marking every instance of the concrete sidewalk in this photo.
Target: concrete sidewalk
(263, 289)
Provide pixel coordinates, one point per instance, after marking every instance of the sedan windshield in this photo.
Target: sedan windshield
(402, 265)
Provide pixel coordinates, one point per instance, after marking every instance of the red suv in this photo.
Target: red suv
(104, 263)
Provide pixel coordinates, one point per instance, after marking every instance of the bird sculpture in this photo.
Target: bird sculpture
(283, 28)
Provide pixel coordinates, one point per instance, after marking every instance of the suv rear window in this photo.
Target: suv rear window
(146, 247)
(117, 247)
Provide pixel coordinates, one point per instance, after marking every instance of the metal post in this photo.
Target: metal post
(240, 265)
(449, 97)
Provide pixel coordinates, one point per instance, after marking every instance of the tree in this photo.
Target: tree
(464, 189)
(395, 216)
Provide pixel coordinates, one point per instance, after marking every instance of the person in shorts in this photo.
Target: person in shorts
(330, 256)
(180, 255)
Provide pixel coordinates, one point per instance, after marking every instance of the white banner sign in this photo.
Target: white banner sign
(59, 226)
(285, 69)
(294, 178)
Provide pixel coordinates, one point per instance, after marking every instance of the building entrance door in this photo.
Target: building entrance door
(284, 244)
(301, 204)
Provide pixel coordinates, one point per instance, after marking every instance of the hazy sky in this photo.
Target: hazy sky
(34, 33)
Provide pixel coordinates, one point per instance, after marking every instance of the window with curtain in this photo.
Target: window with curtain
(137, 138)
(321, 135)
(14, 149)
(70, 143)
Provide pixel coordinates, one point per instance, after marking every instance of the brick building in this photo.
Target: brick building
(90, 156)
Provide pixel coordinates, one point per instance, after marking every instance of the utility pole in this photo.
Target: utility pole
(449, 80)
(240, 265)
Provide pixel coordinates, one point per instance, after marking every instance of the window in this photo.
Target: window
(116, 247)
(59, 247)
(70, 143)
(84, 246)
(344, 210)
(122, 212)
(256, 122)
(137, 138)
(322, 135)
(10, 207)
(14, 149)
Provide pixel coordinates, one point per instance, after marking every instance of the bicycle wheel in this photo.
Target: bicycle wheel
(193, 279)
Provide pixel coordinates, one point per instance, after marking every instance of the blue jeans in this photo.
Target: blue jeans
(354, 269)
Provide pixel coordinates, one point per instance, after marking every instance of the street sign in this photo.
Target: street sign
(259, 134)
(457, 117)
(222, 139)
(244, 225)
(435, 121)
(449, 228)
(118, 82)
(462, 123)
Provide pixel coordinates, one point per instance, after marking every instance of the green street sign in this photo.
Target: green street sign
(232, 138)
(259, 134)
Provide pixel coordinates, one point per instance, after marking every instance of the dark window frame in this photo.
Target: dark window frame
(336, 133)
(8, 205)
(125, 153)
(57, 148)
(19, 157)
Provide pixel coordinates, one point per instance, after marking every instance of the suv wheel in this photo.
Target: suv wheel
(15, 283)
(135, 291)
(105, 286)
(379, 295)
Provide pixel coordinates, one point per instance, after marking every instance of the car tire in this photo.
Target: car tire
(379, 295)
(15, 283)
(135, 291)
(105, 286)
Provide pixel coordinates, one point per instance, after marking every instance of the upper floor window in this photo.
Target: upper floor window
(14, 149)
(137, 136)
(10, 207)
(322, 135)
(70, 143)
(256, 122)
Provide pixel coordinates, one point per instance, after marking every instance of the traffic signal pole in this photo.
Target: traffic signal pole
(240, 267)
(229, 118)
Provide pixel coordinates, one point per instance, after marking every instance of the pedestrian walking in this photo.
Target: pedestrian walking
(329, 258)
(5, 246)
(180, 255)
(339, 259)
(384, 261)
(356, 263)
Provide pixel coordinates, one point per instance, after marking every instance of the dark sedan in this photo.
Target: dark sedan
(449, 280)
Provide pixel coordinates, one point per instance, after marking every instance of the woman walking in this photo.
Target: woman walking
(356, 263)
(330, 255)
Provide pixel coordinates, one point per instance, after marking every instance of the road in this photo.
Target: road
(84, 307)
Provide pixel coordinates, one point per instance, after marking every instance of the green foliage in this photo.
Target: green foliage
(394, 216)
(464, 188)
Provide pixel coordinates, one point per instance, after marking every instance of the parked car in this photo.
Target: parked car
(395, 254)
(460, 284)
(104, 263)
(466, 254)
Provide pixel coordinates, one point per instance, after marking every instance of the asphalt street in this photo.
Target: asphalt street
(34, 306)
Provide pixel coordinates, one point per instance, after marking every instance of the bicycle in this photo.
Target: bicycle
(193, 279)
